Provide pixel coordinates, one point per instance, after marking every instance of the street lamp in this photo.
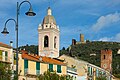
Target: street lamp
(29, 13)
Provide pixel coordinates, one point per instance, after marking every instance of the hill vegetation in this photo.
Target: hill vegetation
(33, 49)
(91, 52)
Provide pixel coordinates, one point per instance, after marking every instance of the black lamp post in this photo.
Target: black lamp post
(29, 13)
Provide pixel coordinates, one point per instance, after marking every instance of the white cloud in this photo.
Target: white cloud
(117, 37)
(105, 39)
(114, 38)
(105, 21)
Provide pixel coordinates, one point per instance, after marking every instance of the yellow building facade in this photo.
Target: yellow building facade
(32, 65)
(6, 53)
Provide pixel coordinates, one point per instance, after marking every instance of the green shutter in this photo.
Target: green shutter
(25, 64)
(97, 72)
(6, 55)
(0, 54)
(59, 68)
(51, 67)
(89, 70)
(37, 66)
(14, 59)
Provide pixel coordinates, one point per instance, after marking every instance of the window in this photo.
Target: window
(91, 71)
(46, 41)
(25, 66)
(55, 40)
(97, 73)
(59, 68)
(88, 70)
(37, 68)
(6, 55)
(14, 59)
(0, 54)
(104, 56)
(25, 63)
(51, 67)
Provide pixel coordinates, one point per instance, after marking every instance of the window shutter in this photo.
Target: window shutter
(59, 68)
(0, 54)
(37, 66)
(25, 64)
(89, 71)
(51, 67)
(97, 72)
(6, 53)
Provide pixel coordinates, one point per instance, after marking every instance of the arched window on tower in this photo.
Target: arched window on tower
(46, 41)
(55, 41)
(104, 56)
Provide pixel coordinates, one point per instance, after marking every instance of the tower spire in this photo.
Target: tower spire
(49, 12)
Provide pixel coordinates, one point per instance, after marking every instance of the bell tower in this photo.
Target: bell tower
(48, 33)
(106, 59)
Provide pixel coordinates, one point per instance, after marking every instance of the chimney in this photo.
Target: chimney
(11, 43)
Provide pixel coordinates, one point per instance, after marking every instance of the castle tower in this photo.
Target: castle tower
(106, 60)
(81, 37)
(49, 36)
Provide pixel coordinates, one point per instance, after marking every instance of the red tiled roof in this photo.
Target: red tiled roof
(44, 59)
(5, 45)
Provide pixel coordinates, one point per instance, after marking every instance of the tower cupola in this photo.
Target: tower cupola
(49, 20)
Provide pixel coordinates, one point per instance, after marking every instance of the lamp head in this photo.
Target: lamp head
(5, 31)
(30, 12)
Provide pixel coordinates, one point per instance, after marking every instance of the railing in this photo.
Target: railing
(37, 72)
(4, 59)
(72, 69)
(26, 71)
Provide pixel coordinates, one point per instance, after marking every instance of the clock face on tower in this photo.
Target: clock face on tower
(104, 66)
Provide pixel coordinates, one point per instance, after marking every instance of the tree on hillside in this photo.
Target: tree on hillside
(30, 48)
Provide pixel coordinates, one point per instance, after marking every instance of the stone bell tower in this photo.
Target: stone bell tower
(49, 36)
(106, 59)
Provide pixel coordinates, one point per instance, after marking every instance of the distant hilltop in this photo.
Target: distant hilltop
(90, 51)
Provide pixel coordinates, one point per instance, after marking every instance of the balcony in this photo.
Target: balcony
(29, 72)
(37, 72)
(72, 69)
(5, 59)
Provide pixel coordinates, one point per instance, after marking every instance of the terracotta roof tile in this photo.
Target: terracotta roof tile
(44, 59)
(5, 45)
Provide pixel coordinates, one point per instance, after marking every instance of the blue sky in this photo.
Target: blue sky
(96, 19)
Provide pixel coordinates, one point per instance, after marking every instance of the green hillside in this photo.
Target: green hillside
(30, 48)
(86, 51)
